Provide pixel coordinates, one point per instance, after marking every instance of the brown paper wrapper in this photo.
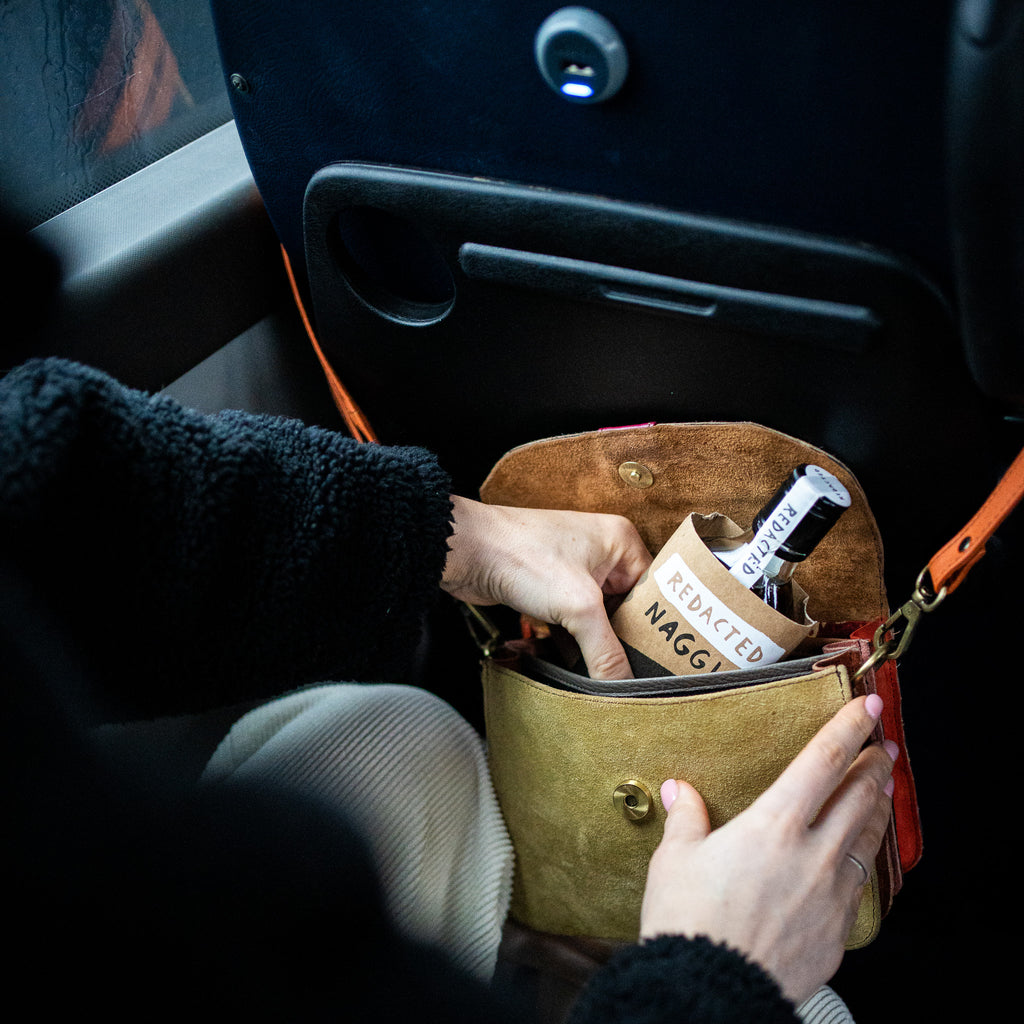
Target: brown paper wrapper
(688, 614)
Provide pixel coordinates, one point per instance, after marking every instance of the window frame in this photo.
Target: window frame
(166, 266)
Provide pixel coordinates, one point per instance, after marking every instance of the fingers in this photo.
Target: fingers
(557, 566)
(859, 794)
(861, 867)
(779, 881)
(601, 649)
(864, 849)
(855, 818)
(632, 559)
(619, 559)
(817, 771)
(678, 889)
(687, 819)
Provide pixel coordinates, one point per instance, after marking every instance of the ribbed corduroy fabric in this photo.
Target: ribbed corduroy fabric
(411, 775)
(824, 1007)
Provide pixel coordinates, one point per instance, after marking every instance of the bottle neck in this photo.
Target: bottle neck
(787, 528)
(729, 550)
(779, 570)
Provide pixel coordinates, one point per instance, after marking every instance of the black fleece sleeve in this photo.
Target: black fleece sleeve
(682, 981)
(199, 560)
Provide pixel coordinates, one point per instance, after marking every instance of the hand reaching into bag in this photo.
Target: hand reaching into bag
(773, 883)
(556, 566)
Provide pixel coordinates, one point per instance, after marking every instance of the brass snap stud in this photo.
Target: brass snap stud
(636, 474)
(632, 800)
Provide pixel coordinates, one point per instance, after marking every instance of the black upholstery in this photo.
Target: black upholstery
(986, 182)
(795, 156)
(773, 113)
(757, 226)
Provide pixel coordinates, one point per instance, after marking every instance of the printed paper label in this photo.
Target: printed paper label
(720, 627)
(774, 532)
(688, 615)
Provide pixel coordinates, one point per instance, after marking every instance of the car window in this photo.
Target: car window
(93, 90)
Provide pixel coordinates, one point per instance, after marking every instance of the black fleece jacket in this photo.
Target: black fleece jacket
(155, 560)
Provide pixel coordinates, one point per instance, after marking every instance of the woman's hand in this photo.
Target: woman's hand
(556, 566)
(777, 882)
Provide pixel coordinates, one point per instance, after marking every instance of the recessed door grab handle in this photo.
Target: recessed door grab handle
(838, 325)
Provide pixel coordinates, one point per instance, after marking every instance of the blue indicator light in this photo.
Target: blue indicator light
(578, 89)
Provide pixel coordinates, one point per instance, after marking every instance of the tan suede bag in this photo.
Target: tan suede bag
(576, 766)
(577, 763)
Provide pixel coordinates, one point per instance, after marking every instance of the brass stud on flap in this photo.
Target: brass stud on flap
(632, 800)
(636, 474)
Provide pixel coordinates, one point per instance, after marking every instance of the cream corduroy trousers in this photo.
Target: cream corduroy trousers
(411, 774)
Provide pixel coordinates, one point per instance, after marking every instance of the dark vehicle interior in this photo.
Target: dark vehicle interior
(809, 216)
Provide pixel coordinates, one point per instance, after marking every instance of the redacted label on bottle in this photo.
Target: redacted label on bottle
(775, 531)
(730, 636)
(689, 615)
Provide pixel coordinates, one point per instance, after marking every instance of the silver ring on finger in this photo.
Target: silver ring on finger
(860, 867)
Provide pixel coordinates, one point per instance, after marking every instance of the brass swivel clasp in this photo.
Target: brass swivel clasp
(893, 637)
(484, 632)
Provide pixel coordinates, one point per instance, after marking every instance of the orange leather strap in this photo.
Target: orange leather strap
(951, 563)
(358, 425)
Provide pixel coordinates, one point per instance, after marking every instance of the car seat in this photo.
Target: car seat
(752, 227)
(806, 215)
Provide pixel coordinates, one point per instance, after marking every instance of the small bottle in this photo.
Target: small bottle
(787, 529)
(687, 615)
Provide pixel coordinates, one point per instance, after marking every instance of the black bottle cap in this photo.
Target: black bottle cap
(823, 499)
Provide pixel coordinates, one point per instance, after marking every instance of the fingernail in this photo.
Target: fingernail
(873, 706)
(889, 787)
(669, 792)
(891, 749)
